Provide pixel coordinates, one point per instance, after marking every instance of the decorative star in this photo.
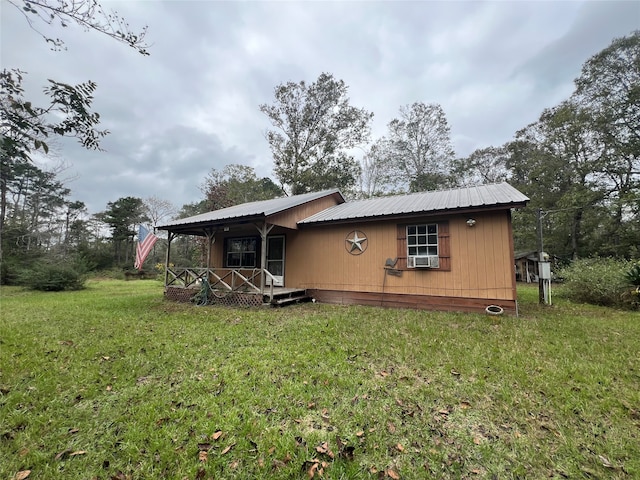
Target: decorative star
(356, 242)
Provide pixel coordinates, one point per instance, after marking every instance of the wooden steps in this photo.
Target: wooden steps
(288, 297)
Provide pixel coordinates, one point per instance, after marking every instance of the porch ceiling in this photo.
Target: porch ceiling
(201, 229)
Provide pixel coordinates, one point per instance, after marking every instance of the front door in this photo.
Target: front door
(275, 259)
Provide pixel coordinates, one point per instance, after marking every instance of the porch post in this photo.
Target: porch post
(211, 238)
(264, 230)
(170, 238)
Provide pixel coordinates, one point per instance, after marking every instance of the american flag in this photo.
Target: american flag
(146, 241)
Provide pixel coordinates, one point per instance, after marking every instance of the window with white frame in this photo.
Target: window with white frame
(422, 245)
(241, 252)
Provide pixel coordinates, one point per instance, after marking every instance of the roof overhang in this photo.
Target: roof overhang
(204, 228)
(409, 216)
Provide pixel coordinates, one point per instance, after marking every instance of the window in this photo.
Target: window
(241, 252)
(424, 246)
(422, 240)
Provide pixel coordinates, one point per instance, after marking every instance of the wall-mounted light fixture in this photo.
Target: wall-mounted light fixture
(226, 229)
(471, 222)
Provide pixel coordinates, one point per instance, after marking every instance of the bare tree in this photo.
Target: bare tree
(157, 209)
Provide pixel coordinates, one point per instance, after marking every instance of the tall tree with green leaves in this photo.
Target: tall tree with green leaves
(482, 166)
(609, 88)
(25, 127)
(556, 162)
(236, 184)
(314, 130)
(122, 217)
(421, 147)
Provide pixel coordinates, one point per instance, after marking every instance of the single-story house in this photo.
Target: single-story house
(440, 250)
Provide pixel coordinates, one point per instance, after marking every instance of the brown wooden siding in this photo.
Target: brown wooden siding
(481, 260)
(290, 218)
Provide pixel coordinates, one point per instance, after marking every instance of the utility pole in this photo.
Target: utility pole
(540, 249)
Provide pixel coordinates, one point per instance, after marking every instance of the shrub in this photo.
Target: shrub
(51, 278)
(599, 281)
(632, 275)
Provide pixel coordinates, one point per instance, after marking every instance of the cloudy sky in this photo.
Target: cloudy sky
(193, 104)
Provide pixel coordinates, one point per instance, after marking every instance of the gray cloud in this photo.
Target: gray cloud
(193, 104)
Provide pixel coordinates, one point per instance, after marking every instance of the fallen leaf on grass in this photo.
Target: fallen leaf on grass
(399, 447)
(391, 427)
(360, 433)
(217, 435)
(233, 465)
(203, 456)
(121, 476)
(108, 388)
(227, 448)
(605, 461)
(311, 467)
(324, 448)
(69, 453)
(201, 474)
(455, 372)
(311, 470)
(391, 473)
(63, 454)
(465, 405)
(281, 463)
(477, 440)
(22, 475)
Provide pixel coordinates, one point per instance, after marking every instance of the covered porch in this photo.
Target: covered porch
(227, 286)
(245, 251)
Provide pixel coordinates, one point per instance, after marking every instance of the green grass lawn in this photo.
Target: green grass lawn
(114, 382)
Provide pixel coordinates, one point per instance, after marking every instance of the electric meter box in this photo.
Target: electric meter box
(544, 270)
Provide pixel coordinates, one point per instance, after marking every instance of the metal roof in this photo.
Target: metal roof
(262, 208)
(495, 195)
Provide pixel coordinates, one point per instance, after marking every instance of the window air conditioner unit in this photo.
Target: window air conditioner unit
(423, 261)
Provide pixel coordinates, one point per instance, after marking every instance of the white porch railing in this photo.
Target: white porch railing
(222, 279)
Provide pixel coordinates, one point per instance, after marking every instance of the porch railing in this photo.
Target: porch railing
(222, 279)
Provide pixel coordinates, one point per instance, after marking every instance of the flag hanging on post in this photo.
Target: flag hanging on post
(146, 241)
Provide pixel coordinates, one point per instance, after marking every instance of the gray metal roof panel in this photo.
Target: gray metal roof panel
(253, 209)
(424, 202)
